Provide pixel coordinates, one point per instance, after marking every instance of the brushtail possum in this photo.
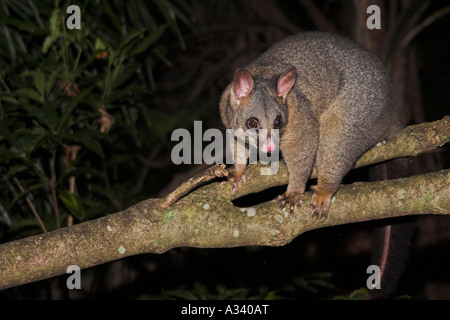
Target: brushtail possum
(329, 97)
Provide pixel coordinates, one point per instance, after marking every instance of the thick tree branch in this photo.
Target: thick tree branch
(207, 218)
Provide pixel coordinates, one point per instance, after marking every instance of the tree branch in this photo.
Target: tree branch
(206, 217)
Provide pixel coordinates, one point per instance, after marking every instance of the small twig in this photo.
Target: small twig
(425, 23)
(30, 204)
(71, 153)
(63, 47)
(55, 202)
(216, 171)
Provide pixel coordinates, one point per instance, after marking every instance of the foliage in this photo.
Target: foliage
(317, 285)
(74, 102)
(199, 292)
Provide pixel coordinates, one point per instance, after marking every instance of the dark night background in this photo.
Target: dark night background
(154, 66)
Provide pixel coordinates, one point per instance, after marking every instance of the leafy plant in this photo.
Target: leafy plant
(74, 102)
(200, 292)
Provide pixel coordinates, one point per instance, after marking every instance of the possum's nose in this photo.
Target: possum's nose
(268, 145)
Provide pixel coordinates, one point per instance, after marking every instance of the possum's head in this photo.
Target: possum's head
(259, 104)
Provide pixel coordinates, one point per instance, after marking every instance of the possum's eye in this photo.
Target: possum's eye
(253, 123)
(278, 123)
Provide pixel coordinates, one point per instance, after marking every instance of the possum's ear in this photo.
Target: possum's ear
(242, 85)
(286, 81)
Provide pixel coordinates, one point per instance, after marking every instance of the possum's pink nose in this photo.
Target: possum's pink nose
(268, 146)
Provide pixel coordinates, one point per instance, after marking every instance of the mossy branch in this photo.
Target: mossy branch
(206, 217)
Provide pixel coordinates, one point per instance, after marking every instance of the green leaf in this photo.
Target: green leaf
(162, 57)
(44, 115)
(21, 25)
(11, 48)
(48, 41)
(31, 139)
(39, 81)
(35, 12)
(147, 18)
(125, 74)
(149, 40)
(71, 106)
(72, 203)
(149, 69)
(51, 80)
(85, 138)
(24, 225)
(177, 13)
(55, 23)
(6, 134)
(99, 44)
(9, 100)
(128, 38)
(16, 169)
(28, 93)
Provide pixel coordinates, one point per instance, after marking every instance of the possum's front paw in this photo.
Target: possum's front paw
(292, 199)
(236, 176)
(320, 203)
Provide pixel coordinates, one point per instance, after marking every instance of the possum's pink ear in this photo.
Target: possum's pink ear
(243, 84)
(286, 81)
